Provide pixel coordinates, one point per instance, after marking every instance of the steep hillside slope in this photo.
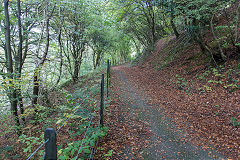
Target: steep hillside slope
(202, 98)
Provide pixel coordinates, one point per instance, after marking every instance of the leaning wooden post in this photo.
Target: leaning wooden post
(108, 75)
(102, 101)
(50, 146)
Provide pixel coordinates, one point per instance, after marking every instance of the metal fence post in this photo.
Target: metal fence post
(108, 75)
(50, 146)
(102, 101)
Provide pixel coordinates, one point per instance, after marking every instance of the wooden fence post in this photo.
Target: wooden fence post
(102, 101)
(50, 146)
(108, 76)
(110, 64)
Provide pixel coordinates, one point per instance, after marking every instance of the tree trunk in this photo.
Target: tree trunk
(223, 56)
(8, 43)
(35, 88)
(76, 70)
(12, 94)
(152, 14)
(13, 101)
(172, 22)
(19, 60)
(97, 62)
(94, 59)
(20, 102)
(174, 27)
(61, 56)
(43, 59)
(77, 63)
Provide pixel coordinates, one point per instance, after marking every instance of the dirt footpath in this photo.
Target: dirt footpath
(148, 133)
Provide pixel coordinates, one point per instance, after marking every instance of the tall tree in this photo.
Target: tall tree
(37, 71)
(77, 18)
(19, 59)
(12, 93)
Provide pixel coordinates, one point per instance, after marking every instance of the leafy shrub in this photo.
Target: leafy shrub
(235, 122)
(31, 143)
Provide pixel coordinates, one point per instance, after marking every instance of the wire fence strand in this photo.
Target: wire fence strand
(91, 152)
(84, 137)
(70, 116)
(56, 131)
(37, 149)
(94, 151)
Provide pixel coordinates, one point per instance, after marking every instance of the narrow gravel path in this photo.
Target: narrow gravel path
(166, 140)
